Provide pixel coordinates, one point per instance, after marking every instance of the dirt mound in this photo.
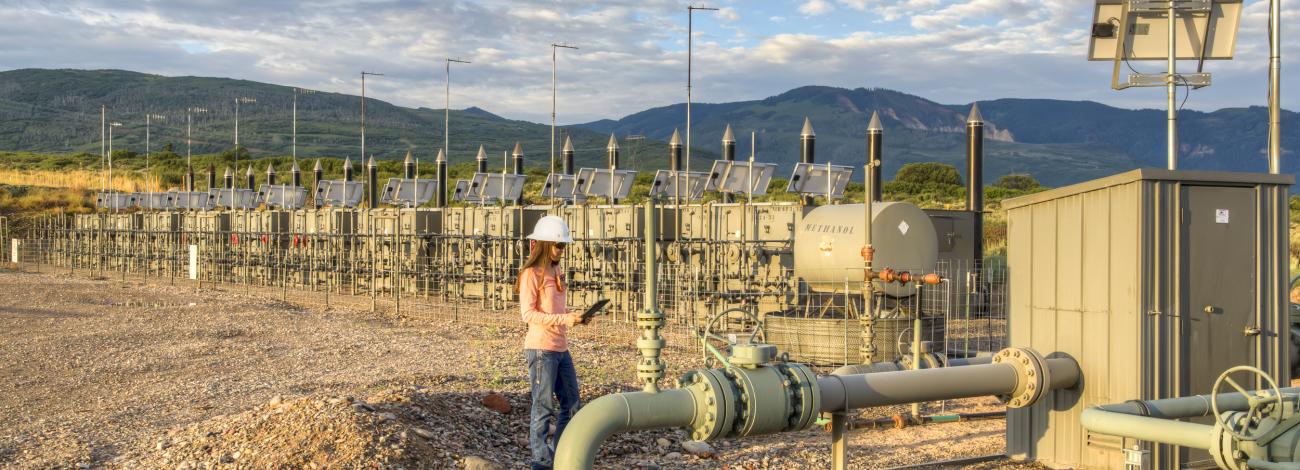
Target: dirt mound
(410, 428)
(397, 428)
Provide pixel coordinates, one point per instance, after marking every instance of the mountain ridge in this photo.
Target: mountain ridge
(1057, 141)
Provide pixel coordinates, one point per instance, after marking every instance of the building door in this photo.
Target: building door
(1218, 289)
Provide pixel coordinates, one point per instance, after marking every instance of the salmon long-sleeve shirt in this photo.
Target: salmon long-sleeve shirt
(541, 303)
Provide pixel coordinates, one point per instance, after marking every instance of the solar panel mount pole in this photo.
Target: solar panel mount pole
(554, 84)
(690, 31)
(363, 110)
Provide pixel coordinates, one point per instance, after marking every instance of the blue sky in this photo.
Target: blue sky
(632, 52)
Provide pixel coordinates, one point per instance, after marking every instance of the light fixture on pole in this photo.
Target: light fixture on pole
(690, 32)
(363, 110)
(296, 92)
(103, 153)
(189, 120)
(554, 46)
(446, 118)
(147, 149)
(111, 125)
(238, 101)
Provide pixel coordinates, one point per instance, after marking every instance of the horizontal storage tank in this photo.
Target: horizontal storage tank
(828, 245)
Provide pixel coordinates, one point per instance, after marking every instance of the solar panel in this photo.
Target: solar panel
(465, 191)
(493, 187)
(283, 196)
(667, 181)
(236, 198)
(744, 177)
(816, 179)
(198, 200)
(562, 186)
(603, 182)
(340, 193)
(115, 200)
(408, 192)
(155, 201)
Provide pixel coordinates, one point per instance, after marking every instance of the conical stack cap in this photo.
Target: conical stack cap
(727, 136)
(676, 140)
(229, 171)
(371, 163)
(250, 171)
(519, 150)
(442, 157)
(317, 167)
(613, 142)
(270, 169)
(347, 163)
(807, 128)
(482, 154)
(295, 168)
(568, 144)
(975, 116)
(408, 159)
(875, 126)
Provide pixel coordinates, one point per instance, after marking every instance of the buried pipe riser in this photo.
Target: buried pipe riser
(650, 368)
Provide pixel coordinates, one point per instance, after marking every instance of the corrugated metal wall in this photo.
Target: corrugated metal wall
(1095, 275)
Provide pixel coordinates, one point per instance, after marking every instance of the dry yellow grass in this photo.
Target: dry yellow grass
(80, 180)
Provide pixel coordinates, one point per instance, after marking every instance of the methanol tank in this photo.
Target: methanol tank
(828, 245)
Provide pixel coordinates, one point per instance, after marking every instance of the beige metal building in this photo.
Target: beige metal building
(1132, 275)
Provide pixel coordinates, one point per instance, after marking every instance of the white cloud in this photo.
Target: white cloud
(631, 55)
(816, 7)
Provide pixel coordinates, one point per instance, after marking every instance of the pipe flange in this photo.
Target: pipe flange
(715, 403)
(1032, 376)
(806, 400)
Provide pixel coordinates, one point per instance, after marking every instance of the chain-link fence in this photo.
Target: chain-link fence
(461, 266)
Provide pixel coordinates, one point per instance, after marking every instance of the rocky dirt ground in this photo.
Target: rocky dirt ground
(106, 373)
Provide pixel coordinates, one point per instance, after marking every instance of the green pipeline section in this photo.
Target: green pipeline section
(757, 397)
(1253, 429)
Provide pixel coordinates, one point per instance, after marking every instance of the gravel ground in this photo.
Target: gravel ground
(126, 375)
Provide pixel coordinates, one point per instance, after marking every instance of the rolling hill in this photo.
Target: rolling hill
(1058, 142)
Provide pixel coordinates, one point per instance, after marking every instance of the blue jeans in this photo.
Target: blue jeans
(553, 377)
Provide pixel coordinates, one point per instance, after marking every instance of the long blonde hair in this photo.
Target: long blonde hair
(539, 258)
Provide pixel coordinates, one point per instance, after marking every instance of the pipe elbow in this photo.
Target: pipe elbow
(588, 429)
(619, 412)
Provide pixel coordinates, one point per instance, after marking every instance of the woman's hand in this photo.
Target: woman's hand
(574, 319)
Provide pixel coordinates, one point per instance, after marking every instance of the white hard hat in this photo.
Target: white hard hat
(551, 229)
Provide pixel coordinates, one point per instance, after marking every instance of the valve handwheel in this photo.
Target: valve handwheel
(1257, 401)
(708, 336)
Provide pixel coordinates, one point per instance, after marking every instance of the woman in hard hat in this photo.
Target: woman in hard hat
(550, 367)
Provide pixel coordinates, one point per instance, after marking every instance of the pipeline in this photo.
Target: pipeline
(900, 421)
(930, 361)
(758, 398)
(1267, 440)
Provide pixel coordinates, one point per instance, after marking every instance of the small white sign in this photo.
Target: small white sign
(194, 261)
(902, 227)
(1221, 216)
(14, 252)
